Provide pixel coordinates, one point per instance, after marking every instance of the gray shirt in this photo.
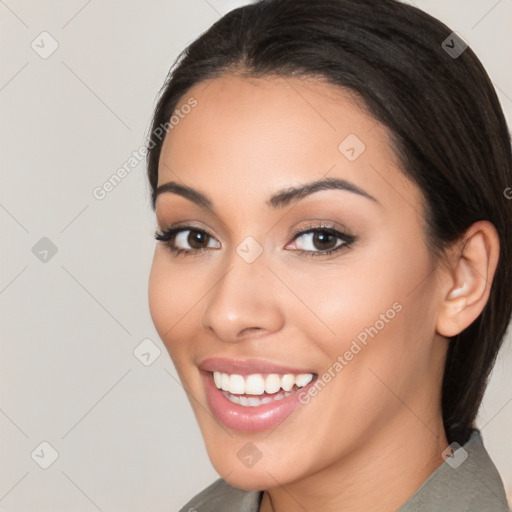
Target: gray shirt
(466, 482)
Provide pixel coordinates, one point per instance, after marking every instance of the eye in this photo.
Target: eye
(311, 241)
(321, 240)
(177, 239)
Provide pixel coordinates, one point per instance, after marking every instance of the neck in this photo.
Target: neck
(379, 476)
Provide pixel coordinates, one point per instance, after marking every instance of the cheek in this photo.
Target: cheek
(378, 304)
(350, 298)
(172, 296)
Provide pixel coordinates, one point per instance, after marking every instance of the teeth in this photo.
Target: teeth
(235, 399)
(272, 383)
(253, 401)
(236, 385)
(257, 384)
(224, 382)
(254, 385)
(287, 381)
(303, 379)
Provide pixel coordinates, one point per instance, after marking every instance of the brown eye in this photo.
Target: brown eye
(320, 240)
(323, 240)
(186, 239)
(197, 238)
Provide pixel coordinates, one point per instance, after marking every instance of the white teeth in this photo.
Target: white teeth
(236, 385)
(257, 384)
(235, 399)
(287, 381)
(272, 383)
(253, 402)
(303, 379)
(224, 383)
(254, 385)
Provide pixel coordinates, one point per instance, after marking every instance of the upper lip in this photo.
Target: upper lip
(247, 366)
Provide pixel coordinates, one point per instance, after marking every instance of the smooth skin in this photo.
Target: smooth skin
(374, 433)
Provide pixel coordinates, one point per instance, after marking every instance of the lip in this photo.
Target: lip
(248, 366)
(242, 418)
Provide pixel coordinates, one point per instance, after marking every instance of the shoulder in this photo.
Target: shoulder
(223, 497)
(467, 481)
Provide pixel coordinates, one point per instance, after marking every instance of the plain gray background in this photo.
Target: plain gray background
(124, 432)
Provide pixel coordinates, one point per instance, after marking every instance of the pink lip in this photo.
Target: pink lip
(242, 418)
(247, 366)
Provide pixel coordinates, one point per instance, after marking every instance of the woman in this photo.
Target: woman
(332, 278)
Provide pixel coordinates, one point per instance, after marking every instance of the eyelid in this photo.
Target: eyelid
(169, 234)
(176, 229)
(347, 239)
(163, 226)
(320, 225)
(292, 234)
(164, 219)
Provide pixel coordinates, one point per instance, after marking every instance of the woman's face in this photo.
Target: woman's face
(256, 301)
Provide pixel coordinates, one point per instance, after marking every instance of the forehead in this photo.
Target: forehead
(258, 135)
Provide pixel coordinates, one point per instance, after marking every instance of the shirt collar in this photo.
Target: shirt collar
(467, 480)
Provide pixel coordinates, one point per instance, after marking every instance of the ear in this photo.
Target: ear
(469, 278)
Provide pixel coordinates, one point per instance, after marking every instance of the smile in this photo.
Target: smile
(262, 389)
(252, 396)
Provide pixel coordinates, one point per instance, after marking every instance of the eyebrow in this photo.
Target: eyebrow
(278, 200)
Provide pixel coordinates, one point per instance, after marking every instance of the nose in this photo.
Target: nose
(244, 299)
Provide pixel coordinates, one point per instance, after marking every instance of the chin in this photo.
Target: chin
(252, 465)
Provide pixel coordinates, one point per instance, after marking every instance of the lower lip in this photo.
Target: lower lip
(249, 419)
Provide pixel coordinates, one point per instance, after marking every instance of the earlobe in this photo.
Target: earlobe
(469, 279)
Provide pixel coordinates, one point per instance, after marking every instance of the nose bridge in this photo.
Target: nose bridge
(243, 297)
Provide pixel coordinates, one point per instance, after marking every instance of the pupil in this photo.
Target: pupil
(320, 238)
(195, 238)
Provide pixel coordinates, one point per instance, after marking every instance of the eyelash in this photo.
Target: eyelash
(167, 236)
